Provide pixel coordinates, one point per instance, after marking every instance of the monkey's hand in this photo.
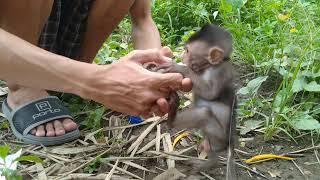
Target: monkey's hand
(151, 66)
(173, 68)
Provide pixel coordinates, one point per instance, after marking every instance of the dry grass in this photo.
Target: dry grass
(130, 151)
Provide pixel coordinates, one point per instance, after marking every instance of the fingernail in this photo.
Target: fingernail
(167, 59)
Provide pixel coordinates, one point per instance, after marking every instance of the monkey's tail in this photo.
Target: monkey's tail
(231, 167)
(174, 102)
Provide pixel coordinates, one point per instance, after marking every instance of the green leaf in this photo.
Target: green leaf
(124, 45)
(311, 74)
(304, 121)
(94, 119)
(316, 110)
(10, 174)
(253, 86)
(292, 49)
(4, 150)
(250, 125)
(298, 84)
(278, 100)
(225, 6)
(237, 4)
(4, 125)
(30, 158)
(312, 87)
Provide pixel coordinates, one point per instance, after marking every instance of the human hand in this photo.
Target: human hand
(162, 105)
(127, 87)
(186, 85)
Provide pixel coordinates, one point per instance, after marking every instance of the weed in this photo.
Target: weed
(278, 39)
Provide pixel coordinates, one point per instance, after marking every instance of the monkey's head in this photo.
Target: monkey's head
(207, 47)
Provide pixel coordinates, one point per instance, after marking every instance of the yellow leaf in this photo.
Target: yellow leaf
(283, 17)
(266, 156)
(292, 30)
(184, 134)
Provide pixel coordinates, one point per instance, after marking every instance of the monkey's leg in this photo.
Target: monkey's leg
(199, 118)
(174, 102)
(192, 118)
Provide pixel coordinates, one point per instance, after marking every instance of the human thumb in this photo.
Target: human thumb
(171, 81)
(166, 51)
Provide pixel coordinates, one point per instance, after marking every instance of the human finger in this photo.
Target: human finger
(186, 85)
(166, 51)
(163, 105)
(171, 81)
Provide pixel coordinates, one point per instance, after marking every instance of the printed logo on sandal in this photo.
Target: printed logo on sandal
(44, 105)
(44, 108)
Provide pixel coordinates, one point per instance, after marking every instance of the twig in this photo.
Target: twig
(298, 167)
(142, 136)
(4, 136)
(207, 176)
(249, 173)
(186, 150)
(131, 158)
(112, 171)
(303, 150)
(150, 144)
(242, 152)
(251, 170)
(135, 165)
(169, 148)
(87, 155)
(86, 163)
(191, 158)
(128, 126)
(315, 151)
(124, 171)
(93, 159)
(158, 137)
(55, 159)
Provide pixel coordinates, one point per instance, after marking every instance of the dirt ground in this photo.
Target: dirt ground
(304, 165)
(79, 159)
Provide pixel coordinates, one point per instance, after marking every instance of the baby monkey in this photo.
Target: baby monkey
(207, 62)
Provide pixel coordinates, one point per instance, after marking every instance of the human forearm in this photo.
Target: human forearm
(145, 34)
(28, 65)
(110, 85)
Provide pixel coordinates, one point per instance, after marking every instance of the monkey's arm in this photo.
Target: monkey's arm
(173, 68)
(207, 88)
(192, 118)
(210, 84)
(197, 81)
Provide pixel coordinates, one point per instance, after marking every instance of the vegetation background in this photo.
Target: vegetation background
(276, 46)
(276, 54)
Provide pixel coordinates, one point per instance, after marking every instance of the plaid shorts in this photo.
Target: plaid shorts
(63, 32)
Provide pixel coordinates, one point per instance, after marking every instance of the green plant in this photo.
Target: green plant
(278, 39)
(9, 162)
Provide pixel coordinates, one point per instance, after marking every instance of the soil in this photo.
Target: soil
(277, 169)
(307, 166)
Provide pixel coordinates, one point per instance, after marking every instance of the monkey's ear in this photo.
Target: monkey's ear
(215, 55)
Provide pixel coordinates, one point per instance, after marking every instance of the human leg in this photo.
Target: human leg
(25, 19)
(103, 17)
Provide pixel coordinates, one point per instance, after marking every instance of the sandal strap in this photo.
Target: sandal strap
(37, 112)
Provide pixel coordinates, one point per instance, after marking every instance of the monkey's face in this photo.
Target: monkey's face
(197, 56)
